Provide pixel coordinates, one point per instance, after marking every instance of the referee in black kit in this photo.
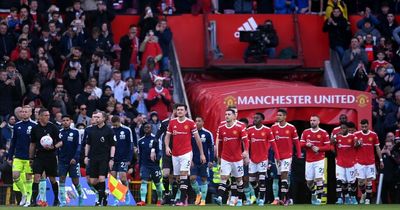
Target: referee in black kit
(44, 158)
(99, 154)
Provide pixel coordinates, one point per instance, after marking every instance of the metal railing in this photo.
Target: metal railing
(334, 74)
(179, 94)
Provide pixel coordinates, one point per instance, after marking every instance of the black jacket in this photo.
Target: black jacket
(337, 34)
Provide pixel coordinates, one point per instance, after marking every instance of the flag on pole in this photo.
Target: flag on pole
(117, 189)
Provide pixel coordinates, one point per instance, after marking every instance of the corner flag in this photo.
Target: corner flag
(117, 189)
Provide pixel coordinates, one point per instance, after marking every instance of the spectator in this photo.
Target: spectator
(82, 116)
(7, 130)
(150, 48)
(129, 108)
(166, 7)
(25, 67)
(10, 91)
(159, 99)
(12, 19)
(383, 13)
(164, 34)
(337, 27)
(103, 14)
(107, 38)
(336, 3)
(130, 85)
(33, 98)
(22, 44)
(74, 13)
(75, 60)
(124, 114)
(57, 18)
(379, 113)
(129, 44)
(139, 99)
(388, 26)
(379, 62)
(69, 40)
(369, 29)
(353, 59)
(368, 46)
(284, 6)
(105, 97)
(118, 87)
(302, 6)
(155, 122)
(13, 74)
(43, 54)
(62, 99)
(147, 22)
(36, 15)
(86, 98)
(168, 81)
(94, 43)
(148, 73)
(368, 17)
(99, 70)
(47, 81)
(97, 92)
(389, 171)
(7, 42)
(24, 18)
(73, 82)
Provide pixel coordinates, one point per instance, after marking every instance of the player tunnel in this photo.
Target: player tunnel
(210, 99)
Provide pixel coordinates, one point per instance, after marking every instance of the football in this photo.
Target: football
(46, 141)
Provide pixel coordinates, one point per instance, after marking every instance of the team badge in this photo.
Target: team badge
(186, 127)
(263, 134)
(349, 140)
(287, 131)
(71, 134)
(235, 132)
(318, 136)
(370, 139)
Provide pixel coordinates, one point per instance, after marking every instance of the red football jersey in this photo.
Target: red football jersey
(366, 152)
(335, 131)
(182, 135)
(231, 138)
(260, 140)
(346, 153)
(218, 140)
(285, 136)
(318, 138)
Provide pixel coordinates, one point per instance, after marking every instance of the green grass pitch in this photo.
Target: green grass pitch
(214, 207)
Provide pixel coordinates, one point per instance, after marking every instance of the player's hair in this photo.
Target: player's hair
(283, 111)
(230, 110)
(244, 120)
(200, 118)
(115, 119)
(261, 115)
(364, 121)
(351, 125)
(181, 105)
(66, 115)
(315, 116)
(42, 110)
(101, 112)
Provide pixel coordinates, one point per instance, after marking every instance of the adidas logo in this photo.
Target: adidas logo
(249, 25)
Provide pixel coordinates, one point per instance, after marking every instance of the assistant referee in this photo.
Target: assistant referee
(99, 154)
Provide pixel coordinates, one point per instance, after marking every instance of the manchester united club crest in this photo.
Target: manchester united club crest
(287, 131)
(349, 140)
(318, 136)
(230, 101)
(235, 132)
(370, 139)
(186, 127)
(263, 134)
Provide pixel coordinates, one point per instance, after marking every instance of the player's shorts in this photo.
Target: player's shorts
(200, 170)
(120, 167)
(315, 170)
(285, 166)
(258, 167)
(347, 175)
(98, 168)
(45, 163)
(366, 171)
(182, 163)
(148, 173)
(22, 166)
(167, 162)
(232, 168)
(74, 171)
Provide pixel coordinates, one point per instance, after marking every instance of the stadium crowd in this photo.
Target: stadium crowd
(62, 75)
